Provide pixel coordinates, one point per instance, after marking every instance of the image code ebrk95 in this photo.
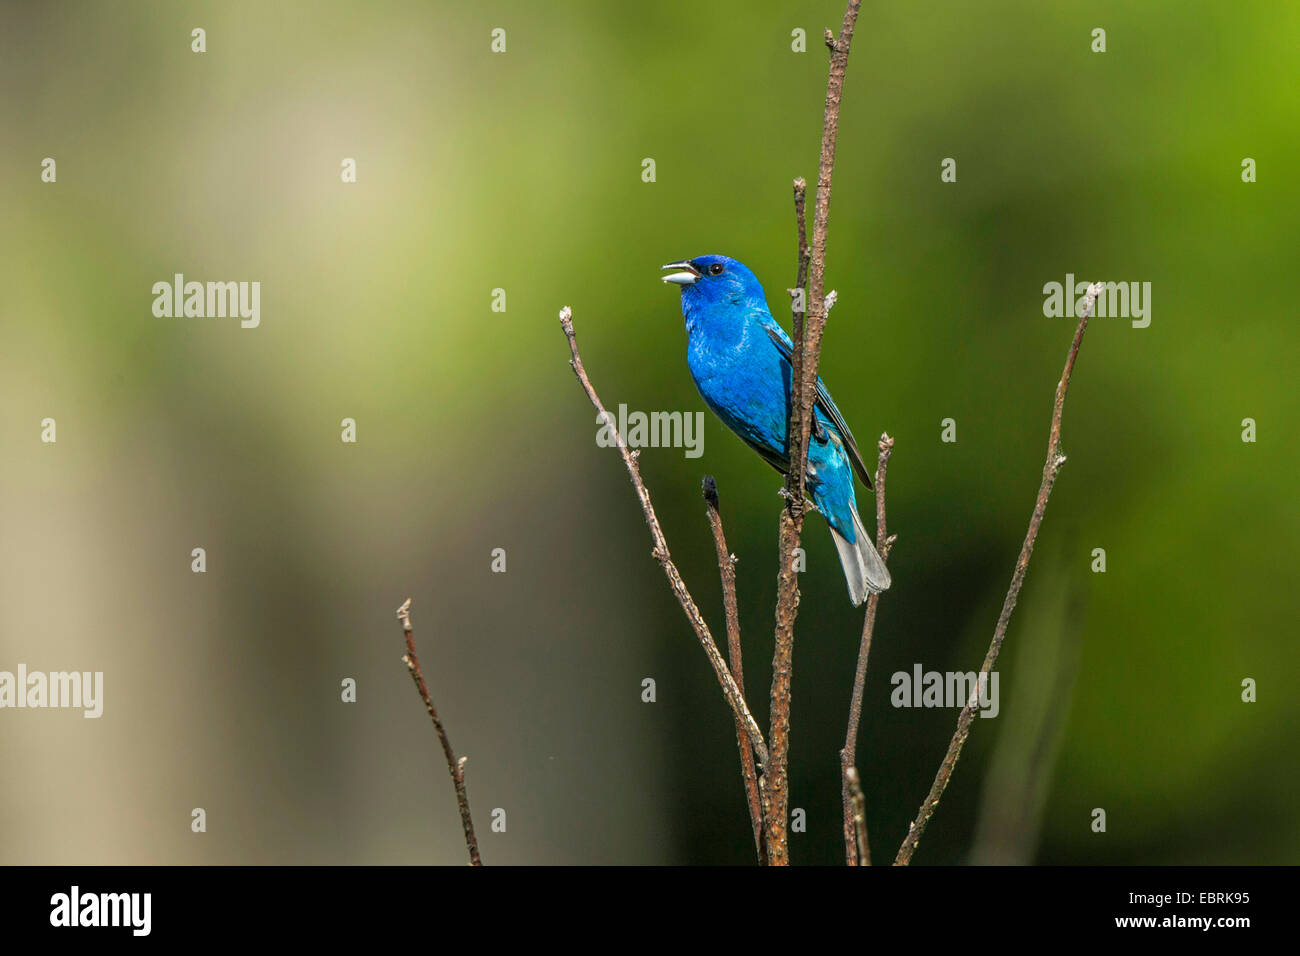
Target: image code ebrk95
(678, 438)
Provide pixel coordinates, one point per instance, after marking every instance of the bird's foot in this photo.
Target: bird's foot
(808, 505)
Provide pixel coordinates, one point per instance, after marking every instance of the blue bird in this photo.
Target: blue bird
(740, 358)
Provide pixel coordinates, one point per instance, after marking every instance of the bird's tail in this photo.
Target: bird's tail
(863, 569)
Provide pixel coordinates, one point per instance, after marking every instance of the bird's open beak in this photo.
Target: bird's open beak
(687, 274)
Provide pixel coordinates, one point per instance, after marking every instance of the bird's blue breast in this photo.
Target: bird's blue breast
(741, 377)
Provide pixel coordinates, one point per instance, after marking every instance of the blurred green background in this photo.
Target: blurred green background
(522, 171)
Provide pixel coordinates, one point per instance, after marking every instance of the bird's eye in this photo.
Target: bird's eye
(715, 269)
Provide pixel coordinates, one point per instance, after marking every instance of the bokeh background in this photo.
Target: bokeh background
(522, 171)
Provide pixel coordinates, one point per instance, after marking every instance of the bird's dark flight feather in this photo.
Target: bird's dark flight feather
(828, 409)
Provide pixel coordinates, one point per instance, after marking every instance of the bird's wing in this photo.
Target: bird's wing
(824, 402)
(774, 458)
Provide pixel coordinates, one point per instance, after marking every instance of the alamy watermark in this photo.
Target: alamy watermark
(923, 688)
(1121, 300)
(653, 430)
(131, 911)
(82, 690)
(212, 300)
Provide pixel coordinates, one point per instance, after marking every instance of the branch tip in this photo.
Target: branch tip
(711, 491)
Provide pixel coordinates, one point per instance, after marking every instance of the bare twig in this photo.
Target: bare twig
(857, 813)
(455, 767)
(1050, 469)
(660, 552)
(727, 568)
(856, 848)
(807, 351)
(798, 295)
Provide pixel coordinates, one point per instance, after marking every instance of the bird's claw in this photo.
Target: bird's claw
(784, 492)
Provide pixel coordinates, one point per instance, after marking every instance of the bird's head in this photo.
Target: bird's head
(711, 279)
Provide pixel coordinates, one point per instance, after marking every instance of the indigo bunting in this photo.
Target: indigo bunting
(740, 358)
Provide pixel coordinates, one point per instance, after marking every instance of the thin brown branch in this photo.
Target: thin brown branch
(857, 814)
(727, 569)
(1050, 470)
(806, 355)
(455, 767)
(660, 552)
(856, 848)
(798, 295)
